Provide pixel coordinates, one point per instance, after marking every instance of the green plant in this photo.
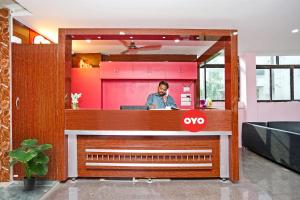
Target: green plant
(32, 156)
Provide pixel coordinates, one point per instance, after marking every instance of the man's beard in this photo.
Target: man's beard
(162, 94)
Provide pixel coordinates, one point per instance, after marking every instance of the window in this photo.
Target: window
(297, 83)
(217, 60)
(265, 60)
(215, 83)
(289, 60)
(202, 84)
(15, 39)
(279, 81)
(263, 84)
(212, 78)
(40, 40)
(281, 84)
(212, 82)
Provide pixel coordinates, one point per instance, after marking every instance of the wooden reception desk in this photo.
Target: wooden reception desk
(148, 144)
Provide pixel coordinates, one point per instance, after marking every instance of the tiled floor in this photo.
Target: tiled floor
(15, 190)
(260, 179)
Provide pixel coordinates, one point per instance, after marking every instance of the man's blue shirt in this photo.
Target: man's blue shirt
(155, 99)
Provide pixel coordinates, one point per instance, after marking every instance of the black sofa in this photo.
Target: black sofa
(278, 141)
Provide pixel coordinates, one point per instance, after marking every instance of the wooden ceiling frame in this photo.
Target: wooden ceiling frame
(229, 44)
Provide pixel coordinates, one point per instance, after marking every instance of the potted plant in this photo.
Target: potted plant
(33, 158)
(75, 98)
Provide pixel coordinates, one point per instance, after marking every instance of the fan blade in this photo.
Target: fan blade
(130, 51)
(124, 52)
(150, 47)
(126, 44)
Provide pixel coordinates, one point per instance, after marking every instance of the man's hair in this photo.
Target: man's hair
(164, 83)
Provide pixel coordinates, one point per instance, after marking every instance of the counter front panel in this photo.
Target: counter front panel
(146, 144)
(148, 157)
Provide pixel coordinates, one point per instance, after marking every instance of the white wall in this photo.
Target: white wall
(278, 111)
(263, 111)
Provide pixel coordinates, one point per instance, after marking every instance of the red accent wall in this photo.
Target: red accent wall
(149, 70)
(130, 83)
(87, 82)
(135, 92)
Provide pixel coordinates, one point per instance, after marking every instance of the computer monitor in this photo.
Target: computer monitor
(127, 107)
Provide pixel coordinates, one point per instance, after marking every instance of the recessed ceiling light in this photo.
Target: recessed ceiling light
(99, 37)
(88, 41)
(235, 33)
(122, 33)
(164, 37)
(295, 30)
(130, 37)
(177, 40)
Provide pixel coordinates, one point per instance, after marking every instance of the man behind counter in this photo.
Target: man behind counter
(161, 99)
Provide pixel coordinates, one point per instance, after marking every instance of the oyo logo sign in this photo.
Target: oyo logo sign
(194, 120)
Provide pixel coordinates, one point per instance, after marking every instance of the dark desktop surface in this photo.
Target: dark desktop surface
(126, 107)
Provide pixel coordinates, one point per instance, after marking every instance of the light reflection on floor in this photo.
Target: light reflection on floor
(260, 179)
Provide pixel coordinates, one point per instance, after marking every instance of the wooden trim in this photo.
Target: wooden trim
(148, 31)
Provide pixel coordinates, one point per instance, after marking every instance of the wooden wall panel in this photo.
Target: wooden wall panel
(143, 144)
(218, 120)
(38, 108)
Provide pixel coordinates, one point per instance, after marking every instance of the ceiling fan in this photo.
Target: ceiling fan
(132, 48)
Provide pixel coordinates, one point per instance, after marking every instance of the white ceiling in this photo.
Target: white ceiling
(264, 26)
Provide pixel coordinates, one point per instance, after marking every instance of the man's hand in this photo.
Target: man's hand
(153, 106)
(165, 98)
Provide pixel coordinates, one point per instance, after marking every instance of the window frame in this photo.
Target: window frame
(295, 67)
(277, 66)
(212, 66)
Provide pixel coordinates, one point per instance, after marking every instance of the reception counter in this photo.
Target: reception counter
(146, 144)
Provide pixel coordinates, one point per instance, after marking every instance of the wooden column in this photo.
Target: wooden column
(65, 63)
(64, 67)
(231, 103)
